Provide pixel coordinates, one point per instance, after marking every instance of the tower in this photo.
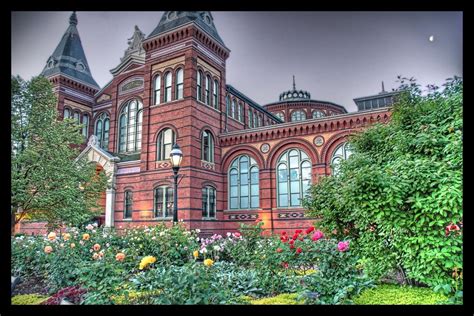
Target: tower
(183, 100)
(67, 69)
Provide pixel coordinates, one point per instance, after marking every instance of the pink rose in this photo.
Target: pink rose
(317, 235)
(343, 246)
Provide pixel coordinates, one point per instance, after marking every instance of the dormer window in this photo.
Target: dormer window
(80, 66)
(51, 63)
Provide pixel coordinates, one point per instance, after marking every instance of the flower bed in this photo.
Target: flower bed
(170, 265)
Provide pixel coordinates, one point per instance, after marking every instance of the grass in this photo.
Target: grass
(399, 295)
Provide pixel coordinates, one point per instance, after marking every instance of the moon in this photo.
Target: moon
(431, 39)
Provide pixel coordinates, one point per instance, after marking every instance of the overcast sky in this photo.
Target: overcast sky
(336, 56)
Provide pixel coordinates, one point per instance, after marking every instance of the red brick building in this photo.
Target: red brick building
(241, 161)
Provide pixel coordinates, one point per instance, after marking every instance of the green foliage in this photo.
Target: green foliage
(28, 299)
(47, 183)
(396, 295)
(401, 189)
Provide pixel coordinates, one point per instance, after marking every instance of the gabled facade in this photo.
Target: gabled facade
(241, 161)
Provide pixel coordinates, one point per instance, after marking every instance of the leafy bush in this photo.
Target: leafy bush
(28, 299)
(281, 299)
(396, 295)
(399, 196)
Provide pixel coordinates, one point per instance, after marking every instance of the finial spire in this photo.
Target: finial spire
(73, 18)
(294, 85)
(383, 88)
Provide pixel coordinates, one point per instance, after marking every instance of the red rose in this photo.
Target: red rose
(292, 242)
(292, 246)
(284, 238)
(309, 230)
(298, 231)
(237, 234)
(283, 233)
(295, 237)
(279, 250)
(299, 250)
(285, 265)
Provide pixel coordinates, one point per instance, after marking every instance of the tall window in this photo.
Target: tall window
(67, 113)
(240, 112)
(207, 147)
(259, 121)
(243, 183)
(179, 84)
(208, 202)
(234, 109)
(85, 127)
(342, 152)
(168, 87)
(165, 142)
(227, 105)
(318, 114)
(250, 118)
(298, 116)
(215, 93)
(157, 90)
(208, 90)
(77, 117)
(102, 126)
(130, 126)
(163, 201)
(280, 115)
(199, 86)
(255, 120)
(127, 209)
(293, 177)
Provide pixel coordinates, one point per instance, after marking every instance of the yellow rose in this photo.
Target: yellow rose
(73, 245)
(196, 254)
(52, 236)
(208, 262)
(86, 236)
(146, 261)
(66, 236)
(95, 256)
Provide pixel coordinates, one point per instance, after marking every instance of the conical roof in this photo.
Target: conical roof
(173, 19)
(69, 58)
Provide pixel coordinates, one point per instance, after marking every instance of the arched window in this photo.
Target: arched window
(216, 94)
(240, 111)
(298, 116)
(293, 177)
(179, 84)
(208, 90)
(243, 183)
(67, 113)
(208, 202)
(199, 86)
(318, 114)
(168, 87)
(163, 201)
(207, 147)
(165, 142)
(280, 115)
(130, 126)
(250, 118)
(127, 208)
(85, 123)
(102, 126)
(157, 90)
(342, 152)
(77, 117)
(227, 105)
(234, 109)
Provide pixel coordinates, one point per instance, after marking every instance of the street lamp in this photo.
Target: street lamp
(176, 155)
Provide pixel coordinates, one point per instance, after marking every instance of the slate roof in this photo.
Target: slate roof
(69, 58)
(173, 19)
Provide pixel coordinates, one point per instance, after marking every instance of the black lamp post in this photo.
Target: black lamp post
(176, 155)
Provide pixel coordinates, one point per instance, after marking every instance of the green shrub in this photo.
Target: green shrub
(28, 299)
(397, 295)
(399, 196)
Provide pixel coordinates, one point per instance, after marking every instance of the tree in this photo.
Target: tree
(399, 196)
(47, 182)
